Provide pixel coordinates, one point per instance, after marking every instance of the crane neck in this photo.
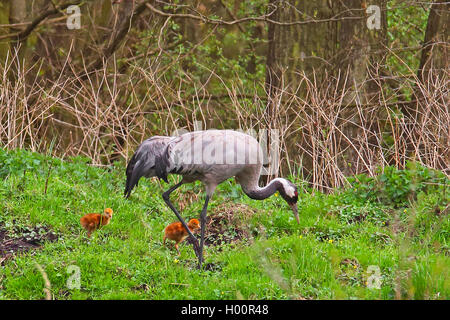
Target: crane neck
(258, 193)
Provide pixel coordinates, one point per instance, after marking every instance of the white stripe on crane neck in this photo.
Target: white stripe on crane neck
(288, 189)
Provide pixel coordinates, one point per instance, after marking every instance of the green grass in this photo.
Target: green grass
(397, 222)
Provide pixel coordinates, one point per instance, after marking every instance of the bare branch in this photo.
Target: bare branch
(21, 36)
(263, 18)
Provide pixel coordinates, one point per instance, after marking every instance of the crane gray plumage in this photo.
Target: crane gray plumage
(212, 157)
(148, 161)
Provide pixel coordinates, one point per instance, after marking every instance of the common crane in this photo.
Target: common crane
(211, 156)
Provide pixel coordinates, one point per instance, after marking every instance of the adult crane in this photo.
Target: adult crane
(211, 156)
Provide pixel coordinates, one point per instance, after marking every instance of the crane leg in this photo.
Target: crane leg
(203, 227)
(166, 197)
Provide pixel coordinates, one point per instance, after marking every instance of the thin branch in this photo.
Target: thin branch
(123, 31)
(21, 36)
(263, 18)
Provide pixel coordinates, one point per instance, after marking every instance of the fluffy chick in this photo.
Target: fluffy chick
(176, 232)
(93, 221)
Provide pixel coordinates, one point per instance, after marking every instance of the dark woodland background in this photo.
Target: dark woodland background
(345, 98)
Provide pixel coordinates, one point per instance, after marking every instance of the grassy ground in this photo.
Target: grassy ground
(392, 230)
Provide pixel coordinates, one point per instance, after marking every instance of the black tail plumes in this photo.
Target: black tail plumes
(149, 160)
(130, 181)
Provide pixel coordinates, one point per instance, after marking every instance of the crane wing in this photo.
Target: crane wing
(213, 154)
(148, 160)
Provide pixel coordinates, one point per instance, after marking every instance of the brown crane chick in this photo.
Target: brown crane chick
(93, 221)
(176, 232)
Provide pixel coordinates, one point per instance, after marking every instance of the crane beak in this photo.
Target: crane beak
(295, 210)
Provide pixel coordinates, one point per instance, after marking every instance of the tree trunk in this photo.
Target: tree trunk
(17, 15)
(326, 41)
(342, 43)
(432, 87)
(435, 45)
(358, 48)
(273, 68)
